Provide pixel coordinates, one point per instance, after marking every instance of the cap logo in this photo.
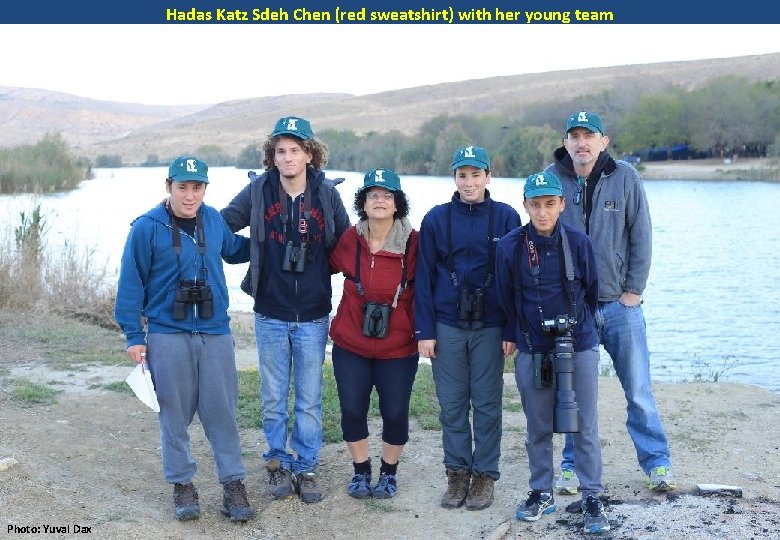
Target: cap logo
(291, 124)
(582, 117)
(191, 166)
(469, 152)
(378, 176)
(540, 181)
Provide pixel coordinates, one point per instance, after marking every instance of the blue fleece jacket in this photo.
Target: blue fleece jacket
(435, 296)
(517, 290)
(150, 274)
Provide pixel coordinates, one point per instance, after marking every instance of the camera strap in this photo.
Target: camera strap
(200, 236)
(567, 263)
(404, 272)
(450, 262)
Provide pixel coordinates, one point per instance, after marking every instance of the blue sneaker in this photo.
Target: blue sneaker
(386, 487)
(360, 486)
(594, 519)
(537, 505)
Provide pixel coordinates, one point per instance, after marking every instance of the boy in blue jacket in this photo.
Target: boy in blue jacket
(548, 286)
(460, 327)
(171, 275)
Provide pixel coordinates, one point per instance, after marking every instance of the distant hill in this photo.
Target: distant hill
(134, 131)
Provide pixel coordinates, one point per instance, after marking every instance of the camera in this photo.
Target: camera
(376, 319)
(565, 417)
(471, 308)
(192, 292)
(294, 258)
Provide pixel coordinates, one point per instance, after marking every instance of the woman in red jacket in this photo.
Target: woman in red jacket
(373, 338)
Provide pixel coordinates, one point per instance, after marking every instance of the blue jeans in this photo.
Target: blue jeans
(622, 332)
(286, 350)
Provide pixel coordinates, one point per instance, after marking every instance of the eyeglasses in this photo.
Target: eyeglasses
(376, 195)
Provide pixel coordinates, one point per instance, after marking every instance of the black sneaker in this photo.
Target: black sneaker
(308, 488)
(594, 518)
(234, 502)
(185, 501)
(538, 504)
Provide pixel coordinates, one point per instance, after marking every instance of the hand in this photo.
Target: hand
(630, 299)
(509, 348)
(427, 348)
(137, 353)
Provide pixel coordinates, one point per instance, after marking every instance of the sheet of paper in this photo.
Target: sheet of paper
(140, 380)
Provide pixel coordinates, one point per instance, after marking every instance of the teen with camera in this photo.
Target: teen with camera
(373, 339)
(462, 330)
(172, 275)
(548, 287)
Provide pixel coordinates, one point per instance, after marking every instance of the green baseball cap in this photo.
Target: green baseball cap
(584, 119)
(188, 168)
(293, 125)
(384, 178)
(542, 183)
(471, 155)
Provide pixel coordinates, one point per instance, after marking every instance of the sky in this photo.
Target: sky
(203, 64)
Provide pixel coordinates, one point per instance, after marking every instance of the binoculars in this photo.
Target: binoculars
(471, 308)
(294, 258)
(195, 293)
(376, 319)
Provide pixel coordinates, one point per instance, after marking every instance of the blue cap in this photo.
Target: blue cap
(384, 178)
(471, 155)
(188, 168)
(293, 125)
(542, 183)
(583, 119)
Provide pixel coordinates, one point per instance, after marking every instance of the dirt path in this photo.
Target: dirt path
(92, 460)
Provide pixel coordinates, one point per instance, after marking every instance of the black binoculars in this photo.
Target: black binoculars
(196, 293)
(294, 258)
(376, 319)
(471, 308)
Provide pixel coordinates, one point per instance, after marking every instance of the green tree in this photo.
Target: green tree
(657, 120)
(250, 157)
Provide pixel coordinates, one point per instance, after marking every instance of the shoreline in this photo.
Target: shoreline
(747, 169)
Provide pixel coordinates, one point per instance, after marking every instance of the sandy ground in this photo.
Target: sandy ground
(700, 169)
(92, 460)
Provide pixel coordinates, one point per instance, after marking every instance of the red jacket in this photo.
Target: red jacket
(380, 275)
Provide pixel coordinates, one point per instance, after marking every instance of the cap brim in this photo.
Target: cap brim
(589, 127)
(542, 192)
(470, 162)
(295, 134)
(184, 178)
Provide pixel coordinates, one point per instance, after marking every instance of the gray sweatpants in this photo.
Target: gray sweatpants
(539, 404)
(196, 373)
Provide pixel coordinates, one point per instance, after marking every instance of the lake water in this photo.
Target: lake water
(712, 302)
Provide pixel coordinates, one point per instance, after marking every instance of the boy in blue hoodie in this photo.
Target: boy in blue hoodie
(171, 275)
(548, 286)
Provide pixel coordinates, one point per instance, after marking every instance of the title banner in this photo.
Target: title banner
(398, 12)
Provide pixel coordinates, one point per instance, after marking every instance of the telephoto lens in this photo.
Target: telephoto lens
(565, 418)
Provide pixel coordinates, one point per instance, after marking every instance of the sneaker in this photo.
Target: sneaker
(185, 501)
(537, 505)
(360, 486)
(567, 483)
(234, 502)
(457, 488)
(308, 488)
(594, 518)
(386, 487)
(660, 479)
(480, 494)
(280, 480)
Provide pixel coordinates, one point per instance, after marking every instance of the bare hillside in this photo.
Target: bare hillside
(109, 129)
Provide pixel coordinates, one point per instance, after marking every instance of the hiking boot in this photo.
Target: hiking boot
(280, 480)
(185, 501)
(386, 487)
(480, 494)
(360, 486)
(537, 505)
(660, 479)
(594, 518)
(457, 488)
(308, 488)
(567, 483)
(234, 502)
